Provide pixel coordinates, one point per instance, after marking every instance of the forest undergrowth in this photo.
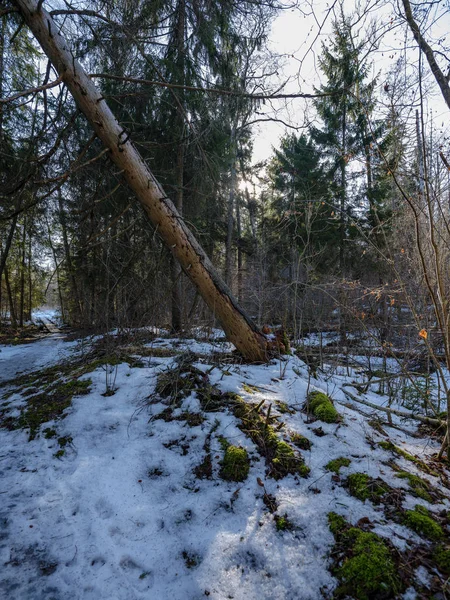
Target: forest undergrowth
(147, 462)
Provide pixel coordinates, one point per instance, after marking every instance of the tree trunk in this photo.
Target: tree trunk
(9, 239)
(30, 280)
(58, 277)
(420, 161)
(177, 321)
(230, 218)
(342, 230)
(22, 274)
(251, 213)
(240, 293)
(69, 266)
(441, 79)
(12, 310)
(177, 312)
(2, 69)
(238, 327)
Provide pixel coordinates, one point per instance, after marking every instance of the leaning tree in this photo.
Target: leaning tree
(238, 327)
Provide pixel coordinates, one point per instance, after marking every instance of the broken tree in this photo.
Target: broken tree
(238, 327)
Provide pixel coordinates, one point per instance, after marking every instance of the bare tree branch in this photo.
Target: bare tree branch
(221, 91)
(441, 79)
(34, 90)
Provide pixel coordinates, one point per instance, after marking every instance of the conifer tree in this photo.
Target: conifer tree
(343, 111)
(302, 212)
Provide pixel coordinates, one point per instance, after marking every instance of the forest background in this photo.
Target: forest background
(344, 226)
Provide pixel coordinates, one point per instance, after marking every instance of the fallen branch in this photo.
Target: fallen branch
(393, 411)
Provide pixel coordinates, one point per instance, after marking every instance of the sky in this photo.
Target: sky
(295, 36)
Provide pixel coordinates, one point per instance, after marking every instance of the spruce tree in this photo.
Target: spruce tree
(343, 135)
(302, 211)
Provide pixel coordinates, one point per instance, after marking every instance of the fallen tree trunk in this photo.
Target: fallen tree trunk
(238, 327)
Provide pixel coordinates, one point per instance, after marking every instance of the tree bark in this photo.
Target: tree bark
(177, 304)
(79, 318)
(421, 173)
(12, 309)
(4, 254)
(230, 216)
(441, 79)
(240, 293)
(22, 274)
(2, 71)
(177, 320)
(58, 278)
(30, 279)
(238, 327)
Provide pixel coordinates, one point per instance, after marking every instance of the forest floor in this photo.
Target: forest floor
(141, 466)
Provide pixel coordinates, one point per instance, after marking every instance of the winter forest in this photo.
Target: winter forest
(224, 299)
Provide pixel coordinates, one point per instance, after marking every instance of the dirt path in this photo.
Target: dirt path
(49, 325)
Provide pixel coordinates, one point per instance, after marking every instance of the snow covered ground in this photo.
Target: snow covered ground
(25, 358)
(116, 510)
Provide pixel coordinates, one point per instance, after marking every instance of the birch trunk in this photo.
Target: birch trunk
(238, 327)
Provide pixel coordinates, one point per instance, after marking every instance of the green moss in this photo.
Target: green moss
(363, 487)
(284, 408)
(407, 456)
(371, 571)
(224, 443)
(337, 523)
(336, 464)
(59, 454)
(365, 567)
(399, 451)
(316, 398)
(321, 406)
(234, 399)
(286, 461)
(250, 389)
(39, 378)
(74, 387)
(50, 405)
(235, 464)
(419, 487)
(419, 520)
(49, 433)
(64, 441)
(442, 557)
(282, 523)
(301, 441)
(327, 413)
(281, 457)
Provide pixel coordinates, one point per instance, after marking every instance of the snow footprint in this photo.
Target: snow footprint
(144, 579)
(103, 509)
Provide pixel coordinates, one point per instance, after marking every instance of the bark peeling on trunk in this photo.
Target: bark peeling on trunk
(238, 327)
